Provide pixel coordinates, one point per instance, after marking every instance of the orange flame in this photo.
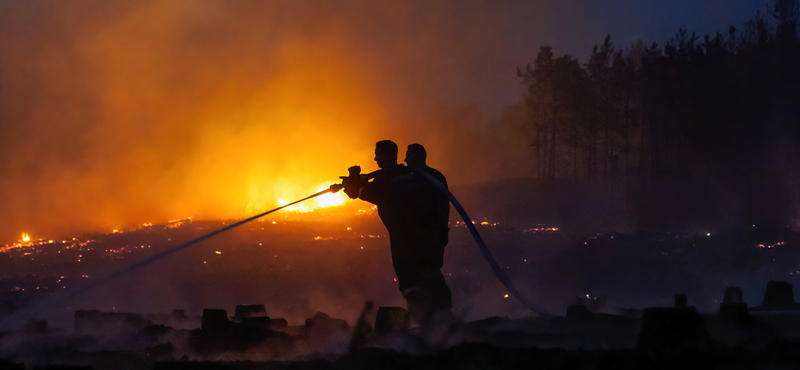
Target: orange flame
(322, 201)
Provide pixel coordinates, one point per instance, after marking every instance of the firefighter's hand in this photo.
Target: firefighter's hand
(353, 183)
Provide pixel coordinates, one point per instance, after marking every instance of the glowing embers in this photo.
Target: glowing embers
(540, 229)
(322, 201)
(770, 246)
(482, 223)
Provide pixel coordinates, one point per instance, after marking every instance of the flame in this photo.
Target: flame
(329, 199)
(322, 201)
(26, 238)
(300, 207)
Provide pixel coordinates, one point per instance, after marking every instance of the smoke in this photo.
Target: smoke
(120, 114)
(123, 113)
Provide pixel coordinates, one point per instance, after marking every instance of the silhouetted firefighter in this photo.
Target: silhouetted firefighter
(415, 159)
(410, 208)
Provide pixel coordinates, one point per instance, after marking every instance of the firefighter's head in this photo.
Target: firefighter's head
(415, 155)
(386, 153)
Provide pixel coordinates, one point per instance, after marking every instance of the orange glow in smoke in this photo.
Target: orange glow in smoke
(191, 109)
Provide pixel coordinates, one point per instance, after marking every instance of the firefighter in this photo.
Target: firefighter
(415, 159)
(407, 205)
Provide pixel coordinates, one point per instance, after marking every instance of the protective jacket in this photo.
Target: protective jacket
(407, 205)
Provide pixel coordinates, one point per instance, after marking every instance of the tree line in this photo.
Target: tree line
(727, 104)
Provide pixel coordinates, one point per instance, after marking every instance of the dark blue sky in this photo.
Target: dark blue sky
(574, 26)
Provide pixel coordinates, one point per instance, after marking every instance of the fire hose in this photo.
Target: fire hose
(498, 270)
(15, 319)
(487, 254)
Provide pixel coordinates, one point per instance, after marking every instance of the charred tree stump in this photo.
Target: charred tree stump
(673, 331)
(732, 308)
(214, 320)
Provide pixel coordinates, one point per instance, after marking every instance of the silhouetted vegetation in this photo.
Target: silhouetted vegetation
(724, 107)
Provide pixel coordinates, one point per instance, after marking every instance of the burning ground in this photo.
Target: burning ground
(335, 259)
(296, 263)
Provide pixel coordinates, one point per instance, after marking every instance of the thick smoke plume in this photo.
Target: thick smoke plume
(119, 114)
(123, 113)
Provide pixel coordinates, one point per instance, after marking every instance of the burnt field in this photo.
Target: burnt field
(298, 264)
(334, 261)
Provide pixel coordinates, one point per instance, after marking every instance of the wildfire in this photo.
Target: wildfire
(26, 238)
(297, 207)
(322, 201)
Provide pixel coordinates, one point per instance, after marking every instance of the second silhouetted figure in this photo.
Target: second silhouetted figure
(410, 208)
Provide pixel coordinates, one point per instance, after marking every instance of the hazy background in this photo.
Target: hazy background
(119, 113)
